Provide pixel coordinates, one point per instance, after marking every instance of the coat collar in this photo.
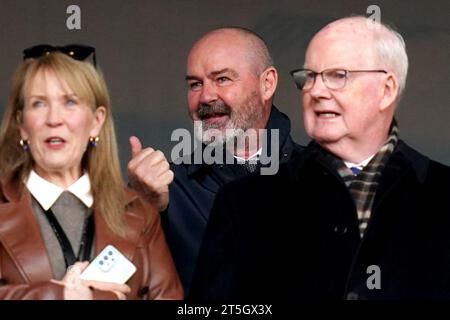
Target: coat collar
(277, 120)
(402, 158)
(136, 225)
(416, 160)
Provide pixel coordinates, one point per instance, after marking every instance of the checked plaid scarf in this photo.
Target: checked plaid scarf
(363, 186)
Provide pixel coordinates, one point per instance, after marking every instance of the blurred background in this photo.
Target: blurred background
(142, 46)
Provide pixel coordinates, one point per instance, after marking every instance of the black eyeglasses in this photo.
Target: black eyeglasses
(76, 51)
(332, 78)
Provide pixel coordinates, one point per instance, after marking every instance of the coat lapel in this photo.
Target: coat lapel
(21, 236)
(104, 236)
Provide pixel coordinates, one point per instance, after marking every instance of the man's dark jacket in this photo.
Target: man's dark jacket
(192, 195)
(295, 235)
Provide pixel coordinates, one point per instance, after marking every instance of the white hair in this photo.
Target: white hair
(390, 49)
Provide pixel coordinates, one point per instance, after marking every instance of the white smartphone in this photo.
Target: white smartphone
(109, 266)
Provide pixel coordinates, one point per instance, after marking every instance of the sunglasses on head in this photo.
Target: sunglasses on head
(76, 51)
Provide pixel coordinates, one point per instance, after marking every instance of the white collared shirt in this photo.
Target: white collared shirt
(46, 193)
(255, 156)
(360, 165)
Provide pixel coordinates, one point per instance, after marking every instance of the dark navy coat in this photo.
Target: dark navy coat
(192, 195)
(294, 236)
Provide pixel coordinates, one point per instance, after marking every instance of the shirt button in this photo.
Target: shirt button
(340, 230)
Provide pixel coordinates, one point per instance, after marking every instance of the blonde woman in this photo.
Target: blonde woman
(62, 196)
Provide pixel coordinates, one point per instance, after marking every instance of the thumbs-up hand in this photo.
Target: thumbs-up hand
(149, 174)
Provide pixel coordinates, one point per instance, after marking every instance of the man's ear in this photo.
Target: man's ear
(390, 91)
(269, 81)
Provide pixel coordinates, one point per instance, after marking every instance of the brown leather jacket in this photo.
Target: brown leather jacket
(25, 268)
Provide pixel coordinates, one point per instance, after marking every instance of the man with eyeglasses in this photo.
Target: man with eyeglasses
(358, 214)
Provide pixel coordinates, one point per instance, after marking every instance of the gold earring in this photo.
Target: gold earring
(24, 144)
(94, 141)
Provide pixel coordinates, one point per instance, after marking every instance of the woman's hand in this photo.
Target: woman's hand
(120, 290)
(74, 287)
(77, 289)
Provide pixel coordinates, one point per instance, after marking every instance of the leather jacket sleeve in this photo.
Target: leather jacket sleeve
(164, 282)
(35, 291)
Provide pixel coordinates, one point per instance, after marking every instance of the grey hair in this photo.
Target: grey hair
(390, 48)
(391, 51)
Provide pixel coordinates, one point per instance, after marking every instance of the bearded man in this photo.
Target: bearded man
(231, 82)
